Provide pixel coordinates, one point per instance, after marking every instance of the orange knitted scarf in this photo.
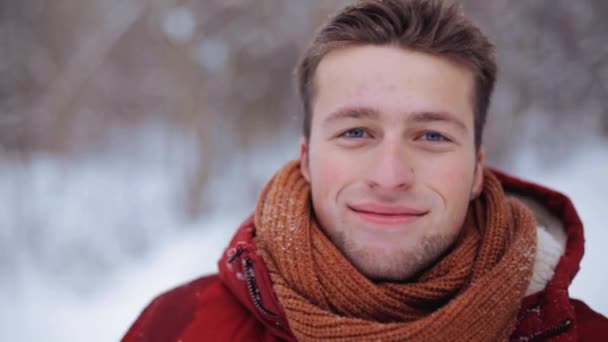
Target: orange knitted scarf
(472, 293)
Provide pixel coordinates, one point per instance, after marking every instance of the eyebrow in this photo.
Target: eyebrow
(415, 117)
(421, 117)
(351, 113)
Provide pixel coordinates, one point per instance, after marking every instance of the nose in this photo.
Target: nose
(392, 167)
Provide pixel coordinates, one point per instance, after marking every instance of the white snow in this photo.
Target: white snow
(179, 24)
(213, 54)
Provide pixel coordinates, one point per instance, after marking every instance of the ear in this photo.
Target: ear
(478, 176)
(304, 161)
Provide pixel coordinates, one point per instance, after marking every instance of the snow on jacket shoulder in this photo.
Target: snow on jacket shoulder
(239, 304)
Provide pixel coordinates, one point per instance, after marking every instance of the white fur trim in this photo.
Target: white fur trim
(551, 241)
(548, 252)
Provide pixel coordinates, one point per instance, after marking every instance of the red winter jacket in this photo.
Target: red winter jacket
(239, 304)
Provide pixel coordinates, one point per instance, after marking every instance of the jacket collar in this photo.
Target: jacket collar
(243, 271)
(560, 207)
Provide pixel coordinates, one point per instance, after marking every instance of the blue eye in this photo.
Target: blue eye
(355, 133)
(434, 136)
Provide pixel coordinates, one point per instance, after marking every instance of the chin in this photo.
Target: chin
(381, 272)
(396, 264)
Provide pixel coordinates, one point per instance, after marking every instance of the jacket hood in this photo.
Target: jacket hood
(556, 214)
(242, 269)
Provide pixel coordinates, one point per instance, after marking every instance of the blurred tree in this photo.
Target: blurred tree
(221, 73)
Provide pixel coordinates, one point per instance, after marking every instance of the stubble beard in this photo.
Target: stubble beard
(398, 265)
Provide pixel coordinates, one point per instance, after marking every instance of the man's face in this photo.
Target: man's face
(391, 157)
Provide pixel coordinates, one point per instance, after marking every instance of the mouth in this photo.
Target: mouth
(390, 215)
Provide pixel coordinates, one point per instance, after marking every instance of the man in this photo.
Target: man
(389, 227)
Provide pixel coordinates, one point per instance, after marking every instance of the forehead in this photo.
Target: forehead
(392, 79)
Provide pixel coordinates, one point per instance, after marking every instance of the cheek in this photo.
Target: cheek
(455, 179)
(451, 178)
(328, 174)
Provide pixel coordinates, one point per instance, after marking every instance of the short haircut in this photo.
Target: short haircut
(430, 26)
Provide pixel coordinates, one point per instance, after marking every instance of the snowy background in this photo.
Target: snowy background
(134, 138)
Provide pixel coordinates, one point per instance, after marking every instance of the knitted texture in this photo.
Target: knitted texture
(472, 293)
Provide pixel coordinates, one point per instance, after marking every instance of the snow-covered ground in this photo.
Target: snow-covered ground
(79, 215)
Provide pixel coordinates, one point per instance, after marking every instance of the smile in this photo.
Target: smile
(387, 215)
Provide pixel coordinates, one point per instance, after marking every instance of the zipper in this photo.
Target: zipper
(254, 292)
(252, 288)
(237, 253)
(551, 332)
